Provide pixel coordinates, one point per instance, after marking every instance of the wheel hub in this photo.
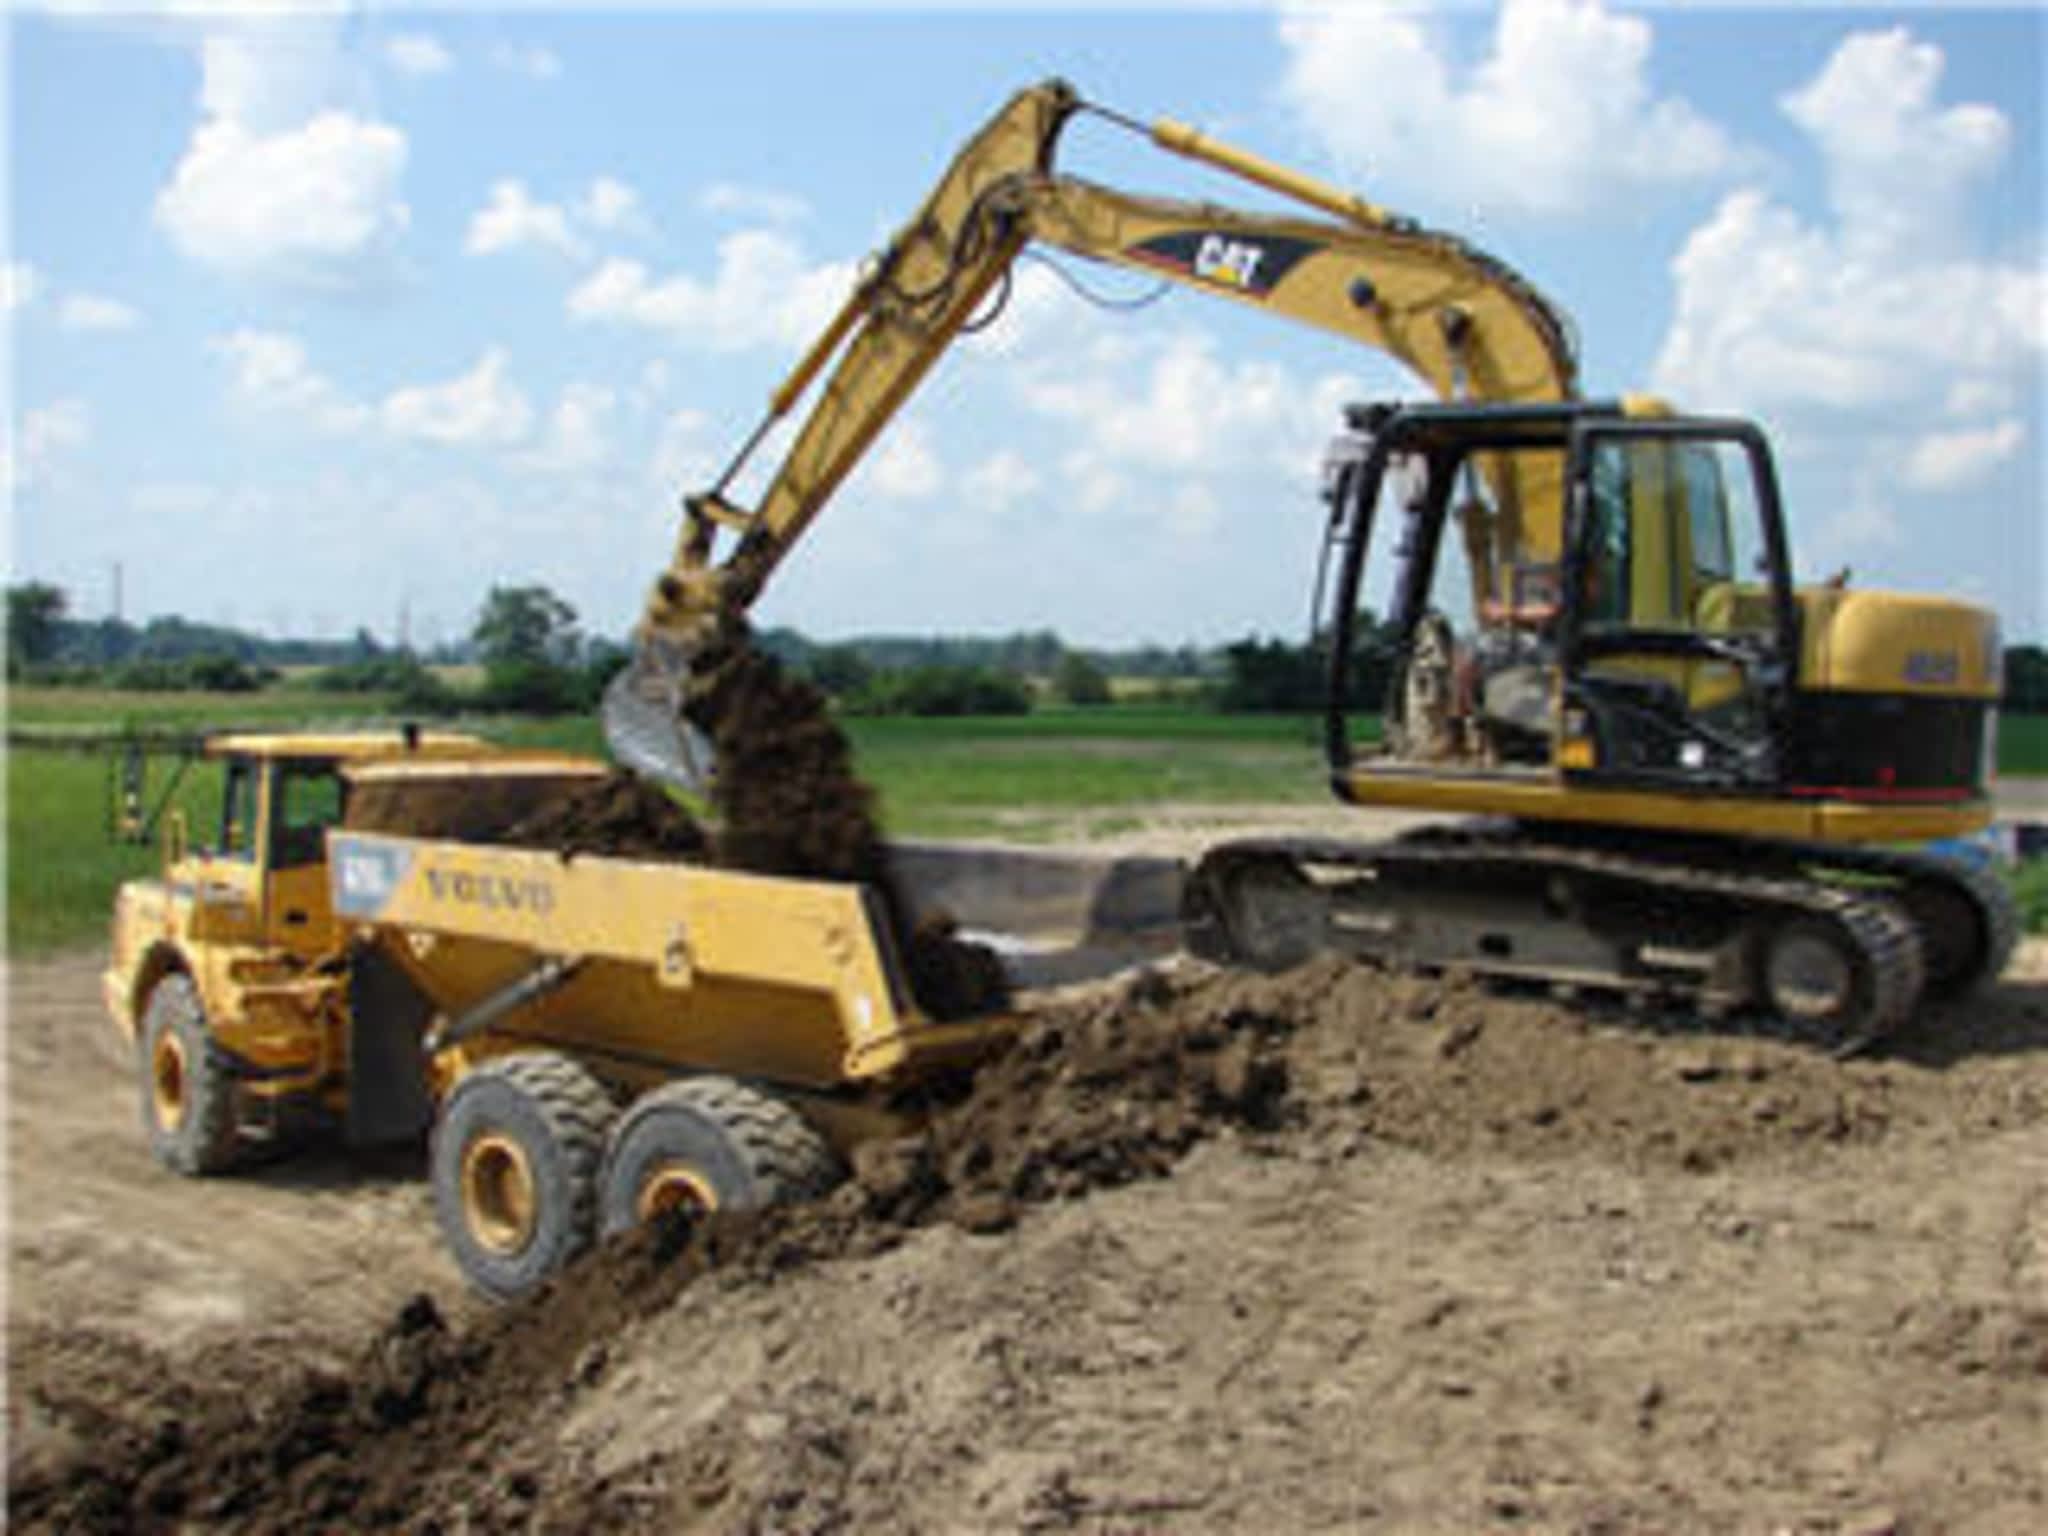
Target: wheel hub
(167, 1081)
(498, 1200)
(1810, 978)
(674, 1188)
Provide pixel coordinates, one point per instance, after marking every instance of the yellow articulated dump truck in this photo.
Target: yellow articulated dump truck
(590, 1039)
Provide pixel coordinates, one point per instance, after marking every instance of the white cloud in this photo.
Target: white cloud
(683, 457)
(48, 435)
(611, 204)
(272, 374)
(905, 467)
(95, 312)
(1559, 116)
(512, 218)
(762, 294)
(418, 54)
(1952, 461)
(1177, 406)
(482, 406)
(1840, 329)
(1899, 166)
(19, 286)
(262, 192)
(575, 435)
(530, 60)
(268, 76)
(998, 484)
(763, 205)
(1776, 312)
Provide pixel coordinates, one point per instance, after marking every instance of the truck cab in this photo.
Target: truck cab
(215, 972)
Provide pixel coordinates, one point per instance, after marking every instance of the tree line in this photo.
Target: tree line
(535, 658)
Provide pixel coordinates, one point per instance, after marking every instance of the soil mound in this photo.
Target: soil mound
(619, 815)
(1322, 1065)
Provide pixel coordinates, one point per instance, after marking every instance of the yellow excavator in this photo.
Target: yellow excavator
(1680, 777)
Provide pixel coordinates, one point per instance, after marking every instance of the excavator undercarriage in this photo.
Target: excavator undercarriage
(1835, 947)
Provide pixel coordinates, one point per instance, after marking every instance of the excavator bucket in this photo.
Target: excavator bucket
(644, 722)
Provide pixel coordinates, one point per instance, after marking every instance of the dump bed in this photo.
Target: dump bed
(669, 966)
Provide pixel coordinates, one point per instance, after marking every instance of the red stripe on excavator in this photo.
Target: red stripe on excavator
(1879, 796)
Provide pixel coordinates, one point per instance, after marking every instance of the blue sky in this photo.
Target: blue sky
(320, 317)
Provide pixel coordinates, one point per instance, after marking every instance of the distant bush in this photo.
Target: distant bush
(212, 673)
(61, 674)
(838, 670)
(415, 689)
(943, 691)
(531, 688)
(1078, 680)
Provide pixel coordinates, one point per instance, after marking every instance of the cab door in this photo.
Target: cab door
(306, 798)
(224, 877)
(1678, 627)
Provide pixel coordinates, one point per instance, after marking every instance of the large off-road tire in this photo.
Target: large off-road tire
(188, 1086)
(709, 1144)
(514, 1169)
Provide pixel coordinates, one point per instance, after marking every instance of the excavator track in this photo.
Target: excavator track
(1965, 915)
(1747, 932)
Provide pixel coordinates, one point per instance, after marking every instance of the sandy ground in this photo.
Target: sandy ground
(317, 1246)
(1183, 831)
(1457, 1322)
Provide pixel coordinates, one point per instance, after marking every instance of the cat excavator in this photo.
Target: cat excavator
(1679, 777)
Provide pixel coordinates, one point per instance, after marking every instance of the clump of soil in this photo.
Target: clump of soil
(619, 815)
(1321, 1065)
(455, 801)
(787, 798)
(789, 803)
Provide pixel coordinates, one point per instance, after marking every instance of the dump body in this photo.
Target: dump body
(406, 943)
(672, 968)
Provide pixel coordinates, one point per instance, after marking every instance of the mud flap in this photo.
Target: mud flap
(388, 1096)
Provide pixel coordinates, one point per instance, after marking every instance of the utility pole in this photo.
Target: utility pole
(117, 592)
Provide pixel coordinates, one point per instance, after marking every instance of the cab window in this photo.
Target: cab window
(238, 809)
(309, 801)
(1609, 569)
(1675, 538)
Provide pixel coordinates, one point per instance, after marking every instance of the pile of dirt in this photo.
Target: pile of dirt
(620, 815)
(456, 800)
(788, 800)
(1330, 1064)
(789, 803)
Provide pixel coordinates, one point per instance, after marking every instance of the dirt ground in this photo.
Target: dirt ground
(1330, 1252)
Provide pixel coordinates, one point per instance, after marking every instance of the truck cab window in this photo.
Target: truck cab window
(309, 801)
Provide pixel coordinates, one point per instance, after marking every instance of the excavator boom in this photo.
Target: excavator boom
(1462, 321)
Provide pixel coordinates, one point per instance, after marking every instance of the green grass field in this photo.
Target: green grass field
(1023, 777)
(1054, 773)
(2023, 746)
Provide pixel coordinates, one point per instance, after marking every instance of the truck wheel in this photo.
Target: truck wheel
(188, 1089)
(708, 1144)
(514, 1164)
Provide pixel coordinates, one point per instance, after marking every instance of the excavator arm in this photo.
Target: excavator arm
(1462, 321)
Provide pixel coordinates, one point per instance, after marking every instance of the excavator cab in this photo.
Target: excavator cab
(1645, 634)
